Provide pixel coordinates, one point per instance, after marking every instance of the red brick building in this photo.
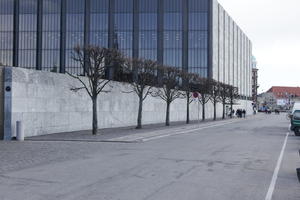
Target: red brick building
(280, 97)
(285, 92)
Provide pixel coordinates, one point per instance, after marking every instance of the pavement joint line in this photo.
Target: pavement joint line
(81, 140)
(159, 134)
(140, 135)
(138, 138)
(276, 170)
(185, 132)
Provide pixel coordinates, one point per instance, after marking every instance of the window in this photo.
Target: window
(51, 35)
(198, 37)
(6, 31)
(123, 36)
(75, 32)
(148, 29)
(27, 33)
(173, 32)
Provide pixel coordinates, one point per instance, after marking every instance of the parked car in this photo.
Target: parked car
(295, 119)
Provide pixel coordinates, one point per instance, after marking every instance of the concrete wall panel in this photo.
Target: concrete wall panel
(231, 52)
(215, 39)
(45, 104)
(221, 44)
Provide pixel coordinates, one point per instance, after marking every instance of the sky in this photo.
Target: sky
(273, 26)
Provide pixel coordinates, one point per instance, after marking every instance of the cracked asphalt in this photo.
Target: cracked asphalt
(233, 161)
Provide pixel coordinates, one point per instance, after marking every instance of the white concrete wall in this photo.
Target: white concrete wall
(45, 104)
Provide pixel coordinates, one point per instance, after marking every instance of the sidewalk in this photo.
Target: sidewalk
(127, 134)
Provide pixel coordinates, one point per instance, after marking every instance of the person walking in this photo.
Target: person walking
(244, 113)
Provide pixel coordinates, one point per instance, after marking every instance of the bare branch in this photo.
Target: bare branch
(148, 92)
(84, 85)
(75, 89)
(103, 86)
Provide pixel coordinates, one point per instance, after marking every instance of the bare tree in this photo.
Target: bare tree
(233, 94)
(143, 78)
(94, 61)
(170, 82)
(223, 95)
(204, 88)
(189, 86)
(214, 96)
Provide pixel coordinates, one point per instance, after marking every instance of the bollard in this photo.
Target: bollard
(20, 131)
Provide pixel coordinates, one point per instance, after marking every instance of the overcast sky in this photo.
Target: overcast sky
(273, 26)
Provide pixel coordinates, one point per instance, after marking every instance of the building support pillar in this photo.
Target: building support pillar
(185, 35)
(39, 34)
(7, 130)
(111, 36)
(16, 33)
(87, 27)
(160, 32)
(63, 29)
(136, 23)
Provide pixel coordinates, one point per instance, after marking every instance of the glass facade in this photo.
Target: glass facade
(148, 29)
(27, 33)
(48, 31)
(99, 22)
(74, 32)
(51, 35)
(173, 28)
(198, 37)
(123, 26)
(6, 31)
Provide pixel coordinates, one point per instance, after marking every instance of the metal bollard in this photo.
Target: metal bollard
(20, 131)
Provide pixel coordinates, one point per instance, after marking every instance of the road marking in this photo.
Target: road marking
(163, 133)
(184, 132)
(276, 171)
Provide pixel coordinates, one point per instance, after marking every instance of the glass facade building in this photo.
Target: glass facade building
(6, 31)
(41, 34)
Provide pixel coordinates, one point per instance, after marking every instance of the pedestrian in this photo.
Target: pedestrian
(239, 113)
(244, 113)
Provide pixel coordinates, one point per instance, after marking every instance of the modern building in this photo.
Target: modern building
(255, 85)
(195, 35)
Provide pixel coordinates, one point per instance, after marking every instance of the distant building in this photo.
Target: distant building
(255, 85)
(280, 97)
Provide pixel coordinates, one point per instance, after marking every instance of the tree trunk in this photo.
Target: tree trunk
(223, 116)
(95, 117)
(231, 108)
(203, 110)
(140, 113)
(188, 109)
(215, 110)
(168, 114)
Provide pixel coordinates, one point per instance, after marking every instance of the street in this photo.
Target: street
(224, 160)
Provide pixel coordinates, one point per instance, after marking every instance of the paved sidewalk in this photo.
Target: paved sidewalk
(129, 134)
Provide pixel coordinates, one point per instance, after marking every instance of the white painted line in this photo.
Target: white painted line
(185, 132)
(164, 133)
(276, 171)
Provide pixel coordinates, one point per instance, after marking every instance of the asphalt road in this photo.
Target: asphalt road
(229, 160)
